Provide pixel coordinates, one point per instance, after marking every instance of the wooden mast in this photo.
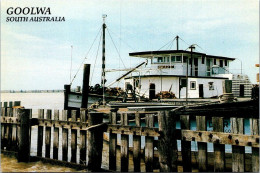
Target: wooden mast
(103, 58)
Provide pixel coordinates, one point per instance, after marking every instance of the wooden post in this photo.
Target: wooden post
(73, 138)
(185, 145)
(2, 128)
(219, 149)
(40, 133)
(137, 145)
(56, 137)
(14, 133)
(65, 137)
(167, 142)
(24, 135)
(124, 145)
(48, 136)
(8, 133)
(202, 147)
(83, 138)
(112, 142)
(85, 87)
(149, 145)
(254, 128)
(66, 96)
(17, 103)
(238, 152)
(95, 141)
(10, 104)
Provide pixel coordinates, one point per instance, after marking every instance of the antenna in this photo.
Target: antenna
(71, 62)
(104, 17)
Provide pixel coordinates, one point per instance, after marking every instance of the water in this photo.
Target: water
(55, 101)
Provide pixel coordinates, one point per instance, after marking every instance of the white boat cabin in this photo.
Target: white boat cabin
(177, 70)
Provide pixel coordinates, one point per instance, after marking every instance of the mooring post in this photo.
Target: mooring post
(14, 133)
(83, 138)
(254, 128)
(149, 145)
(56, 136)
(65, 137)
(112, 142)
(95, 141)
(137, 145)
(73, 138)
(167, 142)
(48, 135)
(85, 87)
(40, 133)
(24, 135)
(66, 96)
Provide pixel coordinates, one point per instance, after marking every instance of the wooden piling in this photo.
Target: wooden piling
(254, 128)
(66, 96)
(95, 141)
(48, 136)
(40, 133)
(167, 147)
(17, 103)
(24, 135)
(56, 137)
(137, 146)
(238, 152)
(202, 147)
(149, 145)
(124, 145)
(83, 138)
(73, 138)
(3, 126)
(112, 142)
(64, 137)
(85, 87)
(186, 145)
(14, 133)
(219, 149)
(8, 131)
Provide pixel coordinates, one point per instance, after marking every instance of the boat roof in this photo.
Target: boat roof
(149, 54)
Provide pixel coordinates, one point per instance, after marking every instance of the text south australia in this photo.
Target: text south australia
(31, 14)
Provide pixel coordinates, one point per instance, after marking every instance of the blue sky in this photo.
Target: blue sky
(37, 55)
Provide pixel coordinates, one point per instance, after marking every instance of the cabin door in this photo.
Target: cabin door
(201, 93)
(242, 91)
(152, 91)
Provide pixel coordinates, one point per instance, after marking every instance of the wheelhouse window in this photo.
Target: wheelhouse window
(185, 59)
(193, 85)
(161, 59)
(221, 63)
(226, 62)
(175, 58)
(215, 61)
(202, 60)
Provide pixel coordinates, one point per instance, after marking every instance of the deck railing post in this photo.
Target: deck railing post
(24, 135)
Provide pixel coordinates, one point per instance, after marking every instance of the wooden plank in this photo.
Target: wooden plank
(149, 145)
(95, 142)
(73, 138)
(238, 152)
(3, 126)
(254, 128)
(202, 147)
(112, 142)
(40, 134)
(24, 135)
(83, 138)
(76, 125)
(219, 149)
(8, 133)
(185, 145)
(167, 146)
(14, 132)
(56, 137)
(65, 137)
(48, 136)
(137, 146)
(124, 145)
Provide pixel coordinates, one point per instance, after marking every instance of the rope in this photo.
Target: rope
(115, 47)
(96, 59)
(167, 43)
(85, 56)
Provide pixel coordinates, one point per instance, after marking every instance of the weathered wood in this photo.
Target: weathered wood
(238, 152)
(24, 135)
(56, 137)
(95, 141)
(254, 128)
(66, 96)
(124, 145)
(112, 142)
(85, 87)
(8, 132)
(48, 136)
(149, 145)
(5, 104)
(64, 137)
(10, 104)
(137, 146)
(17, 103)
(40, 134)
(185, 145)
(73, 138)
(3, 127)
(83, 138)
(219, 149)
(202, 147)
(14, 133)
(167, 147)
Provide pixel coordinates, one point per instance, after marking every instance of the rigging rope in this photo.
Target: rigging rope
(123, 41)
(96, 58)
(85, 56)
(115, 47)
(167, 43)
